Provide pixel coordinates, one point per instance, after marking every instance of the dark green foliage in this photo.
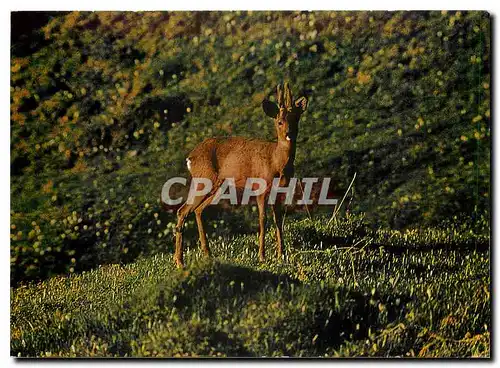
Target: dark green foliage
(105, 106)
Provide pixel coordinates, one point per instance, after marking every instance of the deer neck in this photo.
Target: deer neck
(284, 155)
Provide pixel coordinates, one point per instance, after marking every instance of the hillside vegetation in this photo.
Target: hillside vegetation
(105, 106)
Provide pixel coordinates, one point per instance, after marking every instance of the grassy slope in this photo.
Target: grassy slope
(393, 294)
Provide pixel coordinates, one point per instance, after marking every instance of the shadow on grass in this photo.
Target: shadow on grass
(223, 292)
(224, 283)
(339, 314)
(466, 246)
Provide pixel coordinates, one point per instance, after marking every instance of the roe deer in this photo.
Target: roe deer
(240, 158)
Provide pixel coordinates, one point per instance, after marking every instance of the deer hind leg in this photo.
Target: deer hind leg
(185, 210)
(278, 221)
(199, 222)
(201, 233)
(262, 224)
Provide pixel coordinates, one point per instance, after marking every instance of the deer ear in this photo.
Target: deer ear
(270, 108)
(301, 103)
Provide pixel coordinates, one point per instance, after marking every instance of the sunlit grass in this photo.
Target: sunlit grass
(329, 298)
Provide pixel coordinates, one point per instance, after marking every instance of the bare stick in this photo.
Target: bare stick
(342, 201)
(305, 204)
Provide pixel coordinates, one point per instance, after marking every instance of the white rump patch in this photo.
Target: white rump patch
(188, 163)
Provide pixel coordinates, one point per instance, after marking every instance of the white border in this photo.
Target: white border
(254, 5)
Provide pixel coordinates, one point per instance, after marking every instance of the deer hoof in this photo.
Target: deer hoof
(179, 263)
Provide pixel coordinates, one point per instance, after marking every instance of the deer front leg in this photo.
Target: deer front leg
(278, 221)
(262, 225)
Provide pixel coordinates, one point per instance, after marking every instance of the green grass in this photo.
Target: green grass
(343, 291)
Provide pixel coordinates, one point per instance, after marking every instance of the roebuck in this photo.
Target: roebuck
(240, 158)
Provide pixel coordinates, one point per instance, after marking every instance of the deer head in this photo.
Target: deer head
(286, 113)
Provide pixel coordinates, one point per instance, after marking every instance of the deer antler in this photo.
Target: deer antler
(279, 92)
(288, 96)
